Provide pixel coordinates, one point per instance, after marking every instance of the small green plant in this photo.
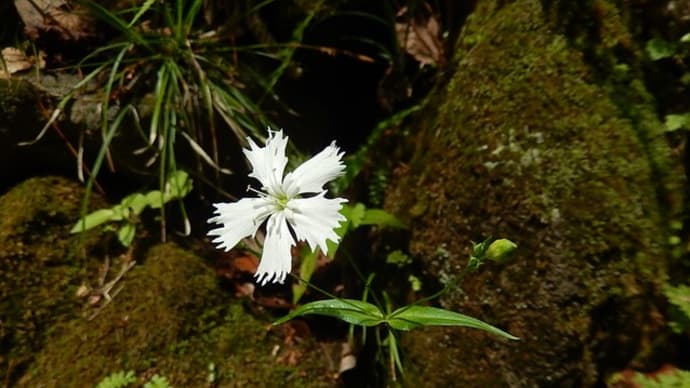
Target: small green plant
(679, 297)
(128, 210)
(387, 321)
(398, 258)
(658, 48)
(158, 382)
(119, 379)
(123, 379)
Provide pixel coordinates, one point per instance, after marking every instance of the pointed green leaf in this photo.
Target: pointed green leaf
(344, 226)
(140, 11)
(136, 202)
(94, 219)
(121, 212)
(675, 122)
(393, 351)
(154, 198)
(111, 18)
(658, 48)
(126, 234)
(306, 269)
(354, 214)
(332, 248)
(409, 317)
(178, 185)
(351, 311)
(381, 217)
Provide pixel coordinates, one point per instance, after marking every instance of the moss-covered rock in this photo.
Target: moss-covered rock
(39, 268)
(526, 144)
(172, 319)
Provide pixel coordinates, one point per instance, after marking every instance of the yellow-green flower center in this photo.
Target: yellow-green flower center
(282, 201)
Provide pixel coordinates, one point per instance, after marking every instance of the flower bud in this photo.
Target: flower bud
(500, 250)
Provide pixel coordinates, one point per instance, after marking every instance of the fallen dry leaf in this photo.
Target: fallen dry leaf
(55, 16)
(13, 60)
(420, 36)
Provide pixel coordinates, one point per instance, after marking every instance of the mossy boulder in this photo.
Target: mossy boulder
(172, 319)
(39, 267)
(526, 144)
(171, 316)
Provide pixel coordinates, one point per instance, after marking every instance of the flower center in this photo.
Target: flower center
(281, 201)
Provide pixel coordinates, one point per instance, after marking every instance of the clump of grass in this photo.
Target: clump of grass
(172, 77)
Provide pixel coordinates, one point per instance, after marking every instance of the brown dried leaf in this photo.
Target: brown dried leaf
(13, 61)
(56, 16)
(420, 36)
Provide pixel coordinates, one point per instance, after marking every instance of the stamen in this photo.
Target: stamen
(260, 193)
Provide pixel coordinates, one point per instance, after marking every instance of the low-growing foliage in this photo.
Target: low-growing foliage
(119, 379)
(124, 379)
(384, 318)
(128, 210)
(679, 297)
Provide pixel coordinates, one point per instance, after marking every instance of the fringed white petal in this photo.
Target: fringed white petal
(239, 220)
(276, 260)
(312, 175)
(268, 162)
(313, 219)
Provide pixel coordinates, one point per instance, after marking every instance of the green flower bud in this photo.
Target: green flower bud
(500, 250)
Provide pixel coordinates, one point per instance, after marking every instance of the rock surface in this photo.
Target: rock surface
(525, 144)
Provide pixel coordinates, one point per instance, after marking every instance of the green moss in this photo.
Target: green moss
(529, 145)
(38, 271)
(611, 41)
(172, 319)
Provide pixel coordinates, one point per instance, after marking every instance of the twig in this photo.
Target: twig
(105, 288)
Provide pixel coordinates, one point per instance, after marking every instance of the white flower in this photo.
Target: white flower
(280, 203)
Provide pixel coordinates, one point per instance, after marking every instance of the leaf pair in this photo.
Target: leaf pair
(405, 318)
